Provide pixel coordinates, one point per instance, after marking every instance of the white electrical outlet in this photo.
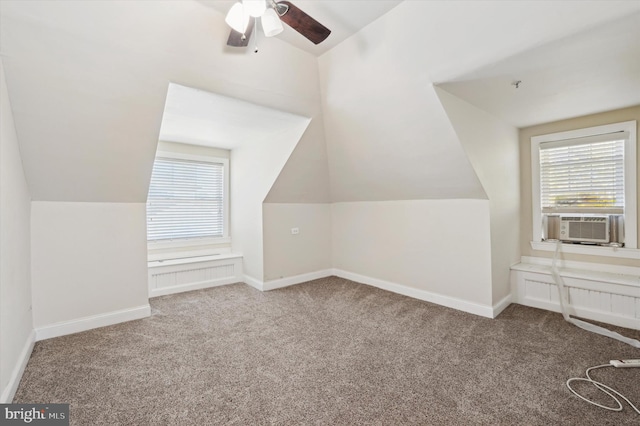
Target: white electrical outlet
(295, 231)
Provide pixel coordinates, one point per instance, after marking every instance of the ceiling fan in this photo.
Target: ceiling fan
(271, 14)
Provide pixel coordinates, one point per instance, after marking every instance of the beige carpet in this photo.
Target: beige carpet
(326, 352)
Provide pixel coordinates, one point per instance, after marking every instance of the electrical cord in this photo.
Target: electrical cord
(579, 323)
(604, 388)
(594, 329)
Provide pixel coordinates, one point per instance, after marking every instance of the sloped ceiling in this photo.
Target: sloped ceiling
(199, 117)
(388, 136)
(88, 81)
(595, 70)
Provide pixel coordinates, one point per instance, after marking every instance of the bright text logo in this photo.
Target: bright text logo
(34, 414)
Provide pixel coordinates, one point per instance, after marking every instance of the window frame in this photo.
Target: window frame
(197, 241)
(630, 184)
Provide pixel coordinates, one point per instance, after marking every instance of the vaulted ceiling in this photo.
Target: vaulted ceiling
(88, 82)
(344, 18)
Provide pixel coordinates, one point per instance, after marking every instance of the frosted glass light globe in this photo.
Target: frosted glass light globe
(271, 24)
(237, 18)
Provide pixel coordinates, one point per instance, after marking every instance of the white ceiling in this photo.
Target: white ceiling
(88, 80)
(343, 17)
(199, 117)
(594, 70)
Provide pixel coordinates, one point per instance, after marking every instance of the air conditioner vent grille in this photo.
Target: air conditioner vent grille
(584, 218)
(587, 231)
(592, 229)
(571, 218)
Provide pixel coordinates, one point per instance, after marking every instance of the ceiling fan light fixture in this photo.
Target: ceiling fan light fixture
(255, 8)
(271, 24)
(237, 18)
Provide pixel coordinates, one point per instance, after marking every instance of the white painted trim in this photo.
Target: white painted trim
(162, 255)
(502, 305)
(599, 316)
(192, 157)
(190, 287)
(185, 265)
(525, 261)
(195, 259)
(296, 279)
(9, 392)
(602, 285)
(94, 321)
(450, 302)
(624, 285)
(630, 182)
(193, 243)
(287, 281)
(253, 282)
(631, 188)
(536, 207)
(619, 252)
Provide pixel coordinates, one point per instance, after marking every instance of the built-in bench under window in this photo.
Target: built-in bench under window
(176, 275)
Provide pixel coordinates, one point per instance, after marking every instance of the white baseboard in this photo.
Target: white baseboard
(462, 305)
(502, 305)
(190, 287)
(286, 282)
(253, 282)
(450, 302)
(296, 279)
(91, 322)
(9, 392)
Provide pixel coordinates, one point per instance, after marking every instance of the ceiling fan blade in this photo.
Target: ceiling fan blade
(304, 24)
(236, 39)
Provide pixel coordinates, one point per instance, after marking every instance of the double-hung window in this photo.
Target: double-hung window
(187, 202)
(584, 177)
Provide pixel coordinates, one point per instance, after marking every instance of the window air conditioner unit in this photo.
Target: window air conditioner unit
(584, 229)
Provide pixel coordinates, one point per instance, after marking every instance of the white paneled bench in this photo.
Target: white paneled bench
(193, 273)
(605, 293)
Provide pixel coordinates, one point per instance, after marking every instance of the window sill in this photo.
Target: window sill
(196, 259)
(622, 253)
(195, 242)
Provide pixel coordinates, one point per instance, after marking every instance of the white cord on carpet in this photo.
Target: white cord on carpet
(604, 388)
(594, 329)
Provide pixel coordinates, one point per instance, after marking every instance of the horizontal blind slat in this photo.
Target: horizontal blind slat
(582, 175)
(186, 200)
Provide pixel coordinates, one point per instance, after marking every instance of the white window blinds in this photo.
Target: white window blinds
(186, 200)
(584, 175)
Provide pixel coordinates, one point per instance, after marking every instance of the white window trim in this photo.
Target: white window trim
(630, 183)
(195, 242)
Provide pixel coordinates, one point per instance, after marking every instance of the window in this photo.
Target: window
(583, 175)
(586, 172)
(187, 202)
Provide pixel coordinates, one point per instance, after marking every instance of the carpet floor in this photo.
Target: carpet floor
(330, 351)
